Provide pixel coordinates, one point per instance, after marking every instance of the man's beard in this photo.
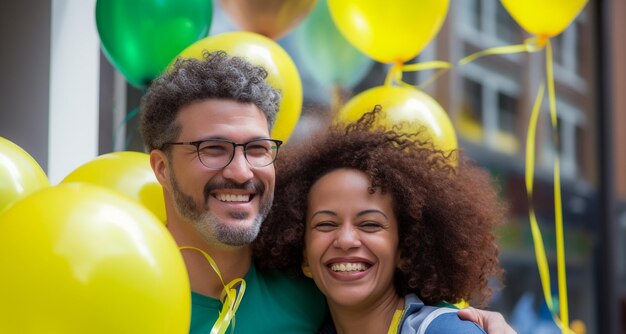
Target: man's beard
(209, 226)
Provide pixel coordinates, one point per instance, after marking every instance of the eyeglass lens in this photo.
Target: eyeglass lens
(218, 154)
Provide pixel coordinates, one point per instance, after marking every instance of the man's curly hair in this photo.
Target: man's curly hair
(446, 210)
(215, 76)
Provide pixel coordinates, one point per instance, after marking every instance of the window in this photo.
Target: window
(488, 112)
(470, 116)
(570, 130)
(508, 106)
(471, 13)
(487, 24)
(506, 28)
(567, 54)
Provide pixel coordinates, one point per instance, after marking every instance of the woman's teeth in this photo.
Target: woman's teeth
(348, 267)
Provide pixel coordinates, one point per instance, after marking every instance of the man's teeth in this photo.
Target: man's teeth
(348, 267)
(233, 198)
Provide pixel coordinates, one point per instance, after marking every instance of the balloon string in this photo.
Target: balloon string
(532, 44)
(540, 253)
(230, 297)
(558, 207)
(562, 321)
(395, 72)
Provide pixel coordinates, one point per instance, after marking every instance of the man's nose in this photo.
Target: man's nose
(238, 170)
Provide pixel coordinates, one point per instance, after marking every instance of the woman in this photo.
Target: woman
(385, 224)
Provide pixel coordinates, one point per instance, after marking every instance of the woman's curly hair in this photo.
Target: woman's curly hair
(446, 209)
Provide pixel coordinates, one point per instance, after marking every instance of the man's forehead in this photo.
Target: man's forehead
(220, 118)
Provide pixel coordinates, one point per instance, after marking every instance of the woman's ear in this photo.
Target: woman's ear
(306, 270)
(401, 262)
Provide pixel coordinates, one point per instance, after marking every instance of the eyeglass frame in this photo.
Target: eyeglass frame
(197, 144)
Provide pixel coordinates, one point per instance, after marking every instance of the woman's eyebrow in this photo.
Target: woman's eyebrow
(328, 212)
(364, 212)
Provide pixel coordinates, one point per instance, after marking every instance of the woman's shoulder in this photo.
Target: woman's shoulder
(426, 319)
(445, 320)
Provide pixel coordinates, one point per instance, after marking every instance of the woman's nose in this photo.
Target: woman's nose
(347, 237)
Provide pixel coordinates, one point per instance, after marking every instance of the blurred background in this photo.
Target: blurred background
(62, 101)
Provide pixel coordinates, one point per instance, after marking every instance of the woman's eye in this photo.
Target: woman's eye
(324, 226)
(371, 226)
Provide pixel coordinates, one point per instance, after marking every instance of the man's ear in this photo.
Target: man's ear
(160, 167)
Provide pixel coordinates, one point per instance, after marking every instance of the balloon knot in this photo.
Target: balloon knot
(542, 40)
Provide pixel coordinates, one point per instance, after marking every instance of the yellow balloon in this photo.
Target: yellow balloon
(78, 258)
(545, 18)
(20, 174)
(260, 50)
(389, 31)
(127, 172)
(404, 105)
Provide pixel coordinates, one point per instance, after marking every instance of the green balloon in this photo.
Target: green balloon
(141, 37)
(325, 53)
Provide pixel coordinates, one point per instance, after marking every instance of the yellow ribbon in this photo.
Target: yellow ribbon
(395, 322)
(533, 45)
(230, 296)
(395, 72)
(558, 207)
(530, 45)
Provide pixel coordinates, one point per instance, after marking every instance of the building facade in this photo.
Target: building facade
(489, 102)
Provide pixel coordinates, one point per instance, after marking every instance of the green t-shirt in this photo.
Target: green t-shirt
(272, 303)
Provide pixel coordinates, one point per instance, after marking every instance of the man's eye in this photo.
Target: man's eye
(256, 150)
(214, 150)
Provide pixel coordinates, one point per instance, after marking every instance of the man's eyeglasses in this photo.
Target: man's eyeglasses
(218, 153)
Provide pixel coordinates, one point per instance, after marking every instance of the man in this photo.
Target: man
(207, 126)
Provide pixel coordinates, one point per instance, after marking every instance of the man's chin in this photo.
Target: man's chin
(238, 236)
(235, 219)
(242, 216)
(233, 229)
